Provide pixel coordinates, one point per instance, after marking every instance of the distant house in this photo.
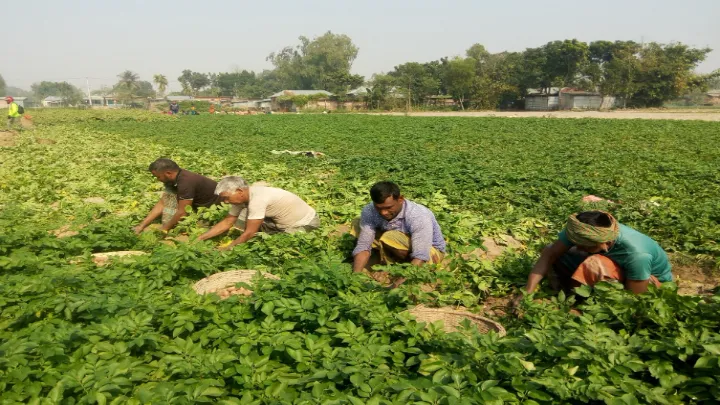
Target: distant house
(440, 101)
(214, 99)
(245, 103)
(179, 98)
(278, 104)
(265, 104)
(359, 92)
(713, 97)
(249, 104)
(571, 99)
(53, 101)
(567, 99)
(103, 101)
(539, 100)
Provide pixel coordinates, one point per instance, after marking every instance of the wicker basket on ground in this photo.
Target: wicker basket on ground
(452, 318)
(224, 283)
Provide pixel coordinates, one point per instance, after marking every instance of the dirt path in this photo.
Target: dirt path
(649, 114)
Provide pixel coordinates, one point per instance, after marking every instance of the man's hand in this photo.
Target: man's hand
(138, 229)
(360, 261)
(515, 303)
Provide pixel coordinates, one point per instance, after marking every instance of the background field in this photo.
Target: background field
(135, 329)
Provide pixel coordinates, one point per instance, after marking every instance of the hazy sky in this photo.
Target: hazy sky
(72, 39)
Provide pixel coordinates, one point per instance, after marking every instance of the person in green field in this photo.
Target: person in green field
(183, 188)
(13, 112)
(595, 247)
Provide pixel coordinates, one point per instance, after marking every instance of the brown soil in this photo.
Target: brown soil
(693, 280)
(94, 200)
(339, 230)
(44, 141)
(26, 123)
(494, 248)
(497, 306)
(64, 232)
(7, 139)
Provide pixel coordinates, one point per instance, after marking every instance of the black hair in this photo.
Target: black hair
(382, 190)
(163, 165)
(595, 218)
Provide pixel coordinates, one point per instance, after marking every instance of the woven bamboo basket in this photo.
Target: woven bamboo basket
(452, 318)
(219, 281)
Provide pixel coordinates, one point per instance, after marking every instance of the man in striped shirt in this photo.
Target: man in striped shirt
(398, 229)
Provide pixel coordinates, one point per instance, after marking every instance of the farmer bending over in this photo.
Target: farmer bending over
(594, 247)
(399, 230)
(182, 188)
(260, 209)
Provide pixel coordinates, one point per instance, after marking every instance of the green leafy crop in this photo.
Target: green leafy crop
(134, 332)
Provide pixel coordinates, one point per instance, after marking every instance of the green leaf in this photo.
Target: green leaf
(706, 362)
(430, 365)
(714, 349)
(583, 291)
(267, 308)
(213, 392)
(451, 391)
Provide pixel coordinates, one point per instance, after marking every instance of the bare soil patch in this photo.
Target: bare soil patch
(694, 280)
(494, 248)
(497, 306)
(94, 200)
(64, 232)
(26, 123)
(7, 139)
(339, 230)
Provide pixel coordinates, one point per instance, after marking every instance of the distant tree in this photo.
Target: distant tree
(237, 84)
(459, 77)
(128, 81)
(415, 82)
(162, 83)
(564, 61)
(322, 63)
(666, 72)
(193, 82)
(127, 85)
(3, 86)
(713, 80)
(69, 94)
(498, 83)
(381, 92)
(17, 92)
(144, 89)
(613, 67)
(340, 82)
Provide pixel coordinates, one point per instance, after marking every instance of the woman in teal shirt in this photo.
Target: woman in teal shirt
(594, 247)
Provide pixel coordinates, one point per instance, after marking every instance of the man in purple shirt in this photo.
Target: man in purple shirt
(399, 229)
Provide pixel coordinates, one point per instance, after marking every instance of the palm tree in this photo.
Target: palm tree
(161, 82)
(128, 82)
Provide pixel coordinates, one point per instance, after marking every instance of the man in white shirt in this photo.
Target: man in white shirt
(260, 208)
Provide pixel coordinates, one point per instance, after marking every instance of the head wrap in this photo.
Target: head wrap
(10, 99)
(583, 234)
